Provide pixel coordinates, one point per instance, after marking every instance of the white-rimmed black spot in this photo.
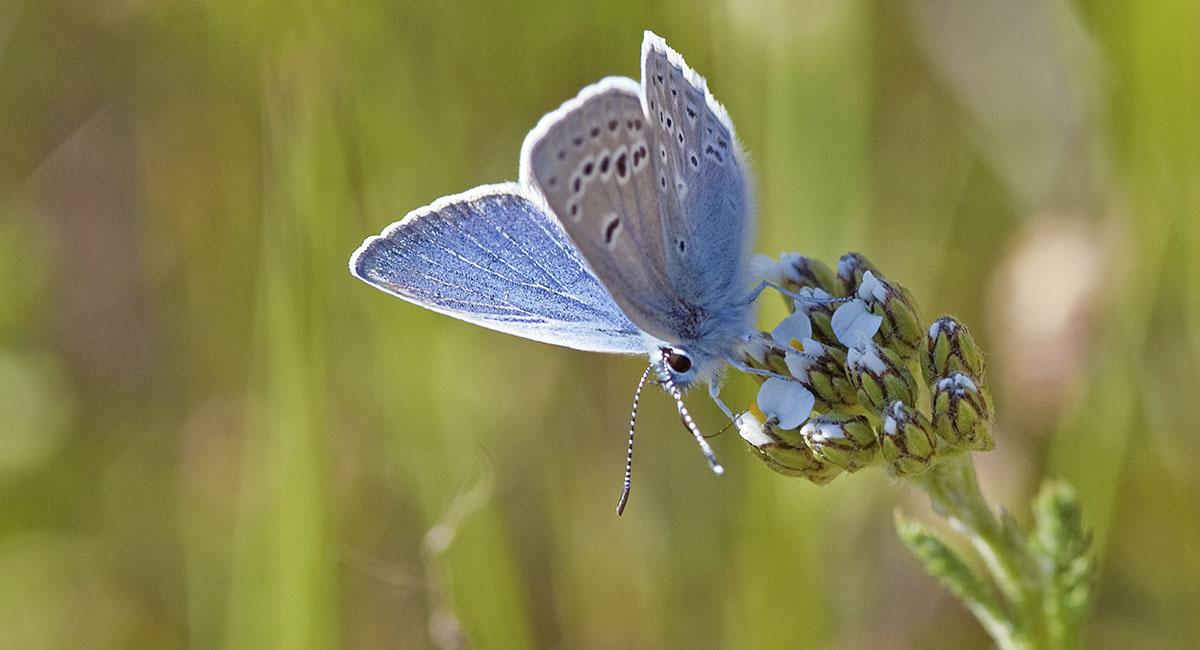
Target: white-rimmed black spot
(610, 230)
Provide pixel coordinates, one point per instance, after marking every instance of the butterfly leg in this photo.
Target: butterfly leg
(809, 298)
(738, 365)
(714, 392)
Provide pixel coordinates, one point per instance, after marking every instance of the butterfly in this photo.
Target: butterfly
(627, 233)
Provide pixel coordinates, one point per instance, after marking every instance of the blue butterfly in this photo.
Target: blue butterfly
(627, 233)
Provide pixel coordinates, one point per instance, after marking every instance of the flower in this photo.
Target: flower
(906, 439)
(847, 441)
(853, 323)
(962, 413)
(795, 272)
(900, 326)
(785, 403)
(822, 370)
(791, 458)
(879, 376)
(850, 270)
(950, 348)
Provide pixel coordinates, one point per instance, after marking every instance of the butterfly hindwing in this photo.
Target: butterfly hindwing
(708, 208)
(593, 162)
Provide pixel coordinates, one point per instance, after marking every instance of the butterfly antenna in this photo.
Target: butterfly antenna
(665, 376)
(629, 452)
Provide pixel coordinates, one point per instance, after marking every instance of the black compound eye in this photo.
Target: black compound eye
(679, 361)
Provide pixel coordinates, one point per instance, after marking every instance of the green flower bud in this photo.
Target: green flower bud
(847, 441)
(850, 270)
(800, 272)
(962, 413)
(822, 369)
(950, 348)
(906, 439)
(879, 376)
(783, 451)
(901, 329)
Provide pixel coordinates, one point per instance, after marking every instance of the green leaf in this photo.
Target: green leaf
(941, 562)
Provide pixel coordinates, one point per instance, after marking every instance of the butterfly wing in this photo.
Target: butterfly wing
(706, 197)
(592, 162)
(493, 257)
(650, 185)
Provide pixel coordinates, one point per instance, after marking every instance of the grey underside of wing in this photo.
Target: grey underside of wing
(496, 259)
(593, 163)
(707, 186)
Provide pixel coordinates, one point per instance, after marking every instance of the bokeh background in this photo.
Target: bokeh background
(212, 436)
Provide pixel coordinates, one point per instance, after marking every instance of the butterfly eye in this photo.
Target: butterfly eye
(679, 361)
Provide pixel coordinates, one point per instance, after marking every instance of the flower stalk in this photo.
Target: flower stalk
(859, 383)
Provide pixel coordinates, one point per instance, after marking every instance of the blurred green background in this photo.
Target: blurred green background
(212, 436)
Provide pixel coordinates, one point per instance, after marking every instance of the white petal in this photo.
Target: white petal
(751, 430)
(795, 327)
(865, 356)
(787, 401)
(798, 363)
(871, 288)
(853, 322)
(958, 382)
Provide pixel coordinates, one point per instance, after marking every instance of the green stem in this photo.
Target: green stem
(954, 490)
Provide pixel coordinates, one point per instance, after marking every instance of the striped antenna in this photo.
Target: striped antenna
(665, 376)
(629, 452)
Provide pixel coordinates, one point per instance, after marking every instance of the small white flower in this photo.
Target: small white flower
(853, 323)
(798, 363)
(872, 288)
(865, 356)
(796, 327)
(786, 401)
(752, 430)
(958, 382)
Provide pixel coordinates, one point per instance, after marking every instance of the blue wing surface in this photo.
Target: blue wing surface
(493, 257)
